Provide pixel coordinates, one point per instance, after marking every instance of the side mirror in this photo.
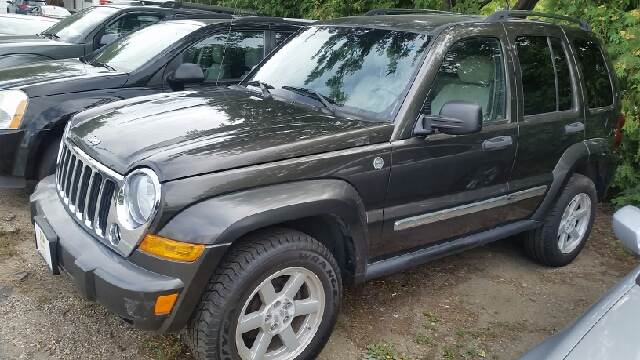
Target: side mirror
(188, 74)
(626, 226)
(455, 118)
(107, 39)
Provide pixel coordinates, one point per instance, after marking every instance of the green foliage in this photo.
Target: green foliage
(617, 23)
(383, 351)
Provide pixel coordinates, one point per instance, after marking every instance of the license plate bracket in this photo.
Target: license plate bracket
(46, 243)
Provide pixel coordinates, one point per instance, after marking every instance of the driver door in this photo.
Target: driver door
(445, 186)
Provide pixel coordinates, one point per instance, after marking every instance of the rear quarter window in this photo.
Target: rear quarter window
(595, 74)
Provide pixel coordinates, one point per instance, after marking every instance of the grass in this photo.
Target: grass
(424, 339)
(165, 347)
(383, 351)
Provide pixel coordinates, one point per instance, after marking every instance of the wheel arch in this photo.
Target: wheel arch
(329, 210)
(590, 158)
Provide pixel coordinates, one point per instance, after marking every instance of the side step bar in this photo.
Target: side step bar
(422, 256)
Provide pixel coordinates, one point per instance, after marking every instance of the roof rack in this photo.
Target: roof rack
(502, 15)
(392, 11)
(213, 8)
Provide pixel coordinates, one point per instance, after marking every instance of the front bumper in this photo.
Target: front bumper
(129, 286)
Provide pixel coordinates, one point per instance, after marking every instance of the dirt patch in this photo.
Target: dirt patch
(491, 302)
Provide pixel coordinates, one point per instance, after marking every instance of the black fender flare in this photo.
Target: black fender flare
(50, 118)
(576, 156)
(221, 220)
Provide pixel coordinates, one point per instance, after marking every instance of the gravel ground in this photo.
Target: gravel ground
(490, 302)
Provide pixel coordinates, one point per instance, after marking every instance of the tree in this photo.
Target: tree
(525, 4)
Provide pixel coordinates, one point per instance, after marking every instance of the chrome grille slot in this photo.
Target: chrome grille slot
(86, 188)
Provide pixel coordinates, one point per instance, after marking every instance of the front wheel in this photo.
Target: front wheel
(276, 296)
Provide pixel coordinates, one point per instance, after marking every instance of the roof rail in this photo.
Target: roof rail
(502, 15)
(213, 8)
(392, 11)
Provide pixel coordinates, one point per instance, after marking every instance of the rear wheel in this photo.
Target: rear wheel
(567, 226)
(276, 296)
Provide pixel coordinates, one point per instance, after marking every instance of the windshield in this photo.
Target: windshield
(76, 27)
(135, 50)
(29, 26)
(360, 70)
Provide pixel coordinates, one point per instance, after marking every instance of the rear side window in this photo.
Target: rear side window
(546, 79)
(538, 78)
(565, 97)
(595, 73)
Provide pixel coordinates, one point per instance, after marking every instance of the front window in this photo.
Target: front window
(472, 71)
(226, 56)
(133, 51)
(361, 71)
(76, 27)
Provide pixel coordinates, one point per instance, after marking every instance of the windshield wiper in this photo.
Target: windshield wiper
(104, 65)
(316, 95)
(49, 35)
(264, 87)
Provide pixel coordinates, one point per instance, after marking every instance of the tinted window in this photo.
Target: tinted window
(76, 27)
(565, 93)
(595, 74)
(281, 37)
(362, 71)
(538, 78)
(130, 23)
(472, 71)
(135, 50)
(227, 56)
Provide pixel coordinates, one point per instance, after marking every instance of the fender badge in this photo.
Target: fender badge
(93, 140)
(378, 163)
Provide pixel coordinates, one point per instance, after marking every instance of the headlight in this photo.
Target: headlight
(139, 198)
(13, 104)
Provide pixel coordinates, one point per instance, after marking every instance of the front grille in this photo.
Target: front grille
(85, 188)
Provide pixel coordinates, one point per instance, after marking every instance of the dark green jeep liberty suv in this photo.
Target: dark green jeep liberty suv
(363, 146)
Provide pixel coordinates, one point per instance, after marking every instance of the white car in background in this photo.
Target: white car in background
(51, 11)
(16, 24)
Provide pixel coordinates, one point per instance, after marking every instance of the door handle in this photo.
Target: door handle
(497, 143)
(573, 128)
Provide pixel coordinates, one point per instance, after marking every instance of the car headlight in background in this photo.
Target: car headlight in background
(13, 104)
(138, 198)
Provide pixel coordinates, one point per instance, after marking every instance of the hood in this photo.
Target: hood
(188, 133)
(32, 44)
(29, 77)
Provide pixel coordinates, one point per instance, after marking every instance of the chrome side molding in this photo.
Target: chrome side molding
(466, 209)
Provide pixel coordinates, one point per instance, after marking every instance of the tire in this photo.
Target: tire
(48, 159)
(275, 256)
(553, 244)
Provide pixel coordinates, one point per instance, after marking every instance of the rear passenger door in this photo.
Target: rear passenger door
(549, 113)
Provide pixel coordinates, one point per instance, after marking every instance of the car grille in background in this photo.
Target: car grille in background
(85, 190)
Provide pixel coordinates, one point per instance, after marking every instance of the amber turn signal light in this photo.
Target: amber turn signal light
(171, 249)
(164, 304)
